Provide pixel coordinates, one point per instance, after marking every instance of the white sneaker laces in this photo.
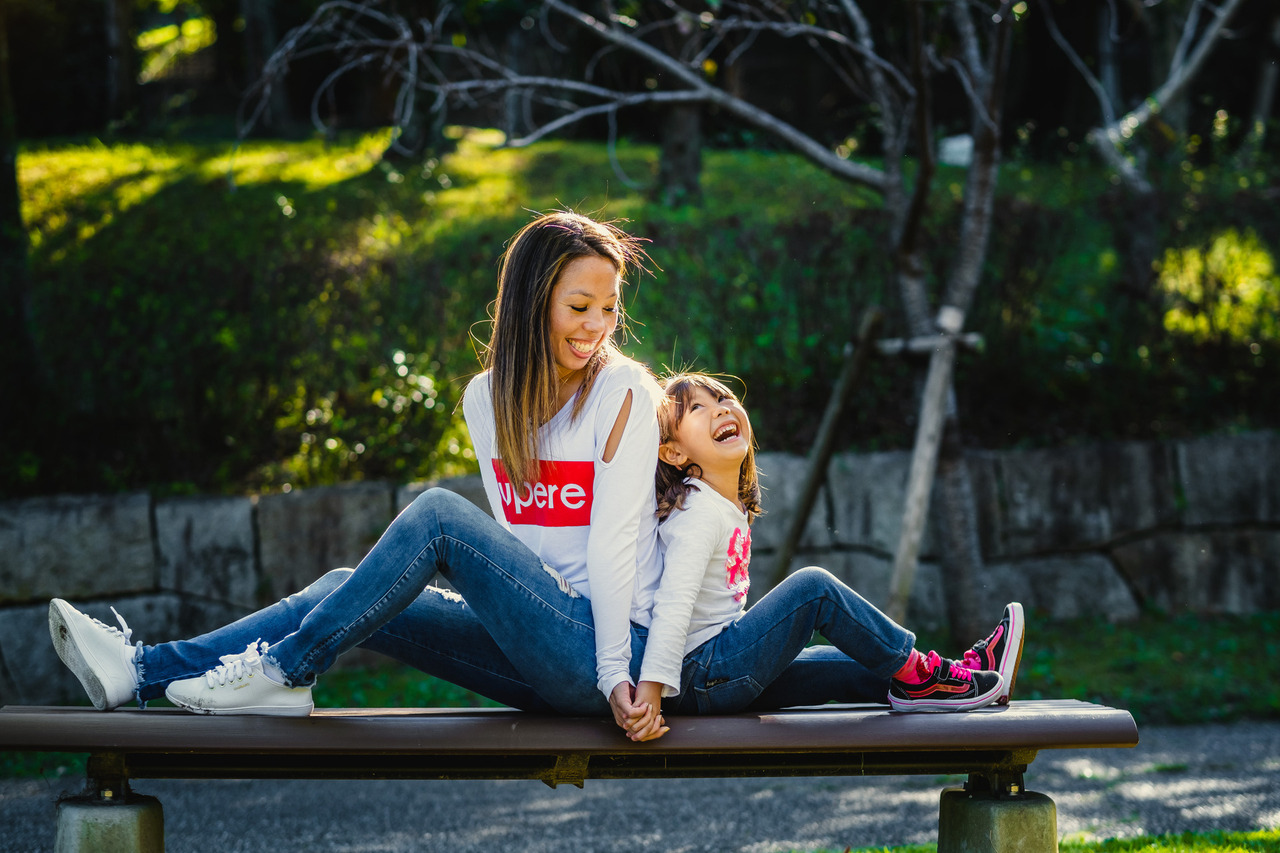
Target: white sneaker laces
(236, 667)
(126, 633)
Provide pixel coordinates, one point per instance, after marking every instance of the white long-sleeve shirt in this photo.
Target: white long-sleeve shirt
(591, 521)
(706, 554)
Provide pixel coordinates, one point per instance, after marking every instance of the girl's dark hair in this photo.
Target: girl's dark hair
(672, 490)
(519, 355)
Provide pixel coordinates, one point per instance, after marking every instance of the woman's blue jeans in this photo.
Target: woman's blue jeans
(517, 633)
(763, 660)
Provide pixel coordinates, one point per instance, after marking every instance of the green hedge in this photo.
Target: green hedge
(288, 314)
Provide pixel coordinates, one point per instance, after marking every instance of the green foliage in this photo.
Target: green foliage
(1078, 350)
(48, 765)
(290, 314)
(392, 686)
(1227, 291)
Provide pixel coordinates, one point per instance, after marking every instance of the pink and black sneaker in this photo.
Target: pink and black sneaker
(1002, 651)
(943, 686)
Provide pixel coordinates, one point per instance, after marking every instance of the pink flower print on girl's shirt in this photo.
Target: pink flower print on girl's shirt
(735, 566)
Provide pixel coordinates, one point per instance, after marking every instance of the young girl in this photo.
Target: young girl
(565, 430)
(707, 654)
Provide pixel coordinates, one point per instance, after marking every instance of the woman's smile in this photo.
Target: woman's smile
(583, 312)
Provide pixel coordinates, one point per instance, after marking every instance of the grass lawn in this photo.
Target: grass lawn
(1190, 842)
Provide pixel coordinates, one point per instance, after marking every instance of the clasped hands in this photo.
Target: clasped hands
(638, 710)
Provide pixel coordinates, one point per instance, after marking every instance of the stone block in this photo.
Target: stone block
(781, 478)
(205, 547)
(303, 534)
(1230, 479)
(1061, 587)
(75, 546)
(869, 575)
(471, 488)
(1065, 499)
(1140, 485)
(1229, 571)
(868, 495)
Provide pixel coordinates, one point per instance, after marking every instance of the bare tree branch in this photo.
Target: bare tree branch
(1188, 35)
(1099, 91)
(1112, 136)
(802, 142)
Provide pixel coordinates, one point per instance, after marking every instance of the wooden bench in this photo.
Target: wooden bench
(993, 747)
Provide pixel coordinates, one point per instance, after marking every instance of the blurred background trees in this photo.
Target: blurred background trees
(205, 312)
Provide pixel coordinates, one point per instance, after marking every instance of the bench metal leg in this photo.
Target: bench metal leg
(1008, 819)
(108, 817)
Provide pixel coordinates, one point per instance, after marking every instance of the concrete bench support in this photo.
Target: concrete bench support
(110, 822)
(975, 819)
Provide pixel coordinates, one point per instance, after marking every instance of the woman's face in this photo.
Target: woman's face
(583, 312)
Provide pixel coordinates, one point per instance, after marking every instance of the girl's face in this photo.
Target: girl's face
(713, 432)
(583, 313)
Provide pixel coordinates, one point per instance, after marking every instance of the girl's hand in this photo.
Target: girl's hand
(651, 726)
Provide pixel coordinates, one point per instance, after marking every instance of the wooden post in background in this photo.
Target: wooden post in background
(856, 355)
(924, 461)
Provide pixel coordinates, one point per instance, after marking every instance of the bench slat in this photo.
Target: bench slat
(1022, 725)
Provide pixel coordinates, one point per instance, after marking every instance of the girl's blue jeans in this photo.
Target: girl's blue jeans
(517, 633)
(763, 660)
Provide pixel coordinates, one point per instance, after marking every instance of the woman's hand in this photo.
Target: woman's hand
(640, 718)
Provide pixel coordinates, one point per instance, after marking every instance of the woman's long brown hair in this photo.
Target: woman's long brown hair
(520, 356)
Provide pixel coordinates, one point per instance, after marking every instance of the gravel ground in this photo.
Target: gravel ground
(1178, 778)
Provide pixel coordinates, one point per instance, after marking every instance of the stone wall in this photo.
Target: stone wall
(1107, 529)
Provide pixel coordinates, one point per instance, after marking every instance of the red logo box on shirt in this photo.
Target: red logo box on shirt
(560, 497)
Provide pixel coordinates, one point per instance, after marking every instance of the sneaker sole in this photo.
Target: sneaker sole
(65, 644)
(1017, 628)
(242, 710)
(245, 711)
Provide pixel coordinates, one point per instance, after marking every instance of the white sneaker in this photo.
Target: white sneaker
(98, 654)
(240, 686)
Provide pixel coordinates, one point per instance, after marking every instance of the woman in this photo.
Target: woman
(565, 431)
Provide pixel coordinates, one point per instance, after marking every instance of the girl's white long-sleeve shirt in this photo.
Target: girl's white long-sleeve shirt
(706, 554)
(591, 521)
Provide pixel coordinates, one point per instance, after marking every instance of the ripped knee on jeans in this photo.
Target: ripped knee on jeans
(447, 593)
(561, 582)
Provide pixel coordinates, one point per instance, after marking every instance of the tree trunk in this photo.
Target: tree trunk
(120, 59)
(924, 461)
(956, 524)
(1139, 241)
(960, 551)
(680, 170)
(13, 235)
(1264, 95)
(19, 368)
(259, 42)
(1108, 74)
